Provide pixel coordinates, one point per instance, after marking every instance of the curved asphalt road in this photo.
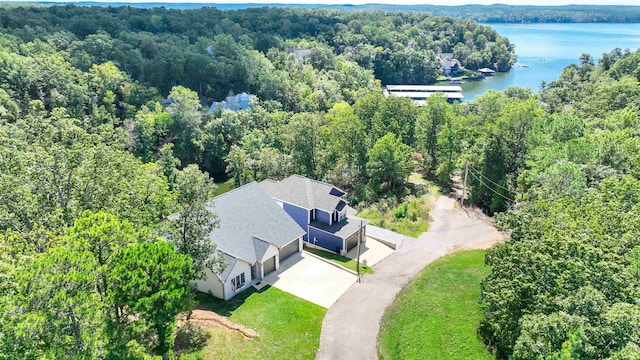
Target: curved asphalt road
(350, 327)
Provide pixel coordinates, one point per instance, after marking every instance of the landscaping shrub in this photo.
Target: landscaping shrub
(401, 211)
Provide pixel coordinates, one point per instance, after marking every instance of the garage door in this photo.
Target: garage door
(289, 250)
(352, 241)
(270, 266)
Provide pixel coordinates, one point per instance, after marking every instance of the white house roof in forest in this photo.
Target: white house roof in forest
(426, 88)
(416, 95)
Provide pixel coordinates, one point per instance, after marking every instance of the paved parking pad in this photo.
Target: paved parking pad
(371, 252)
(312, 279)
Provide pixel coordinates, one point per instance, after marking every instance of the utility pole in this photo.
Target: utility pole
(464, 185)
(358, 257)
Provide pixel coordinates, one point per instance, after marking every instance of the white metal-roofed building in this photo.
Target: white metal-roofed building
(424, 88)
(420, 93)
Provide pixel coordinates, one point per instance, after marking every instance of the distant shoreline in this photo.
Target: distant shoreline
(489, 14)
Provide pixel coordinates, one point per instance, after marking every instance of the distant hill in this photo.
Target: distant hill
(498, 13)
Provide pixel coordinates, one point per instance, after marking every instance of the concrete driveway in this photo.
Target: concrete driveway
(350, 327)
(371, 252)
(312, 279)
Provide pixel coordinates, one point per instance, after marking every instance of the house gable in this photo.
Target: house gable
(219, 285)
(242, 270)
(269, 253)
(319, 207)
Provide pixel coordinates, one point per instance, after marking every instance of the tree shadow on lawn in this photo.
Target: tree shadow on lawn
(222, 307)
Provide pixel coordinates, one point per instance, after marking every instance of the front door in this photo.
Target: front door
(255, 272)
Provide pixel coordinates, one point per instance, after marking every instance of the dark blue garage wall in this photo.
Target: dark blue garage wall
(325, 240)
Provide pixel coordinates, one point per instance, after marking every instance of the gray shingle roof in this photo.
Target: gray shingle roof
(260, 246)
(304, 192)
(231, 262)
(450, 62)
(343, 229)
(249, 221)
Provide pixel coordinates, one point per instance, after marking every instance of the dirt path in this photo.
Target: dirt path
(210, 319)
(350, 327)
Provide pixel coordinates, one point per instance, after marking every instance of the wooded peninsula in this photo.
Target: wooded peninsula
(107, 128)
(495, 13)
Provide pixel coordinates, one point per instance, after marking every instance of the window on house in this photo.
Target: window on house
(341, 215)
(239, 280)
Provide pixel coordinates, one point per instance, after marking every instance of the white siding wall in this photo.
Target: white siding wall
(271, 252)
(214, 286)
(211, 284)
(239, 268)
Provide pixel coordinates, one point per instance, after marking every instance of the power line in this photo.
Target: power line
(491, 181)
(488, 187)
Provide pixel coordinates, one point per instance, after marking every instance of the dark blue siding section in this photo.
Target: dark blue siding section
(322, 216)
(336, 192)
(325, 240)
(299, 215)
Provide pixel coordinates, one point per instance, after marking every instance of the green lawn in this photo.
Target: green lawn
(340, 260)
(289, 327)
(436, 315)
(223, 187)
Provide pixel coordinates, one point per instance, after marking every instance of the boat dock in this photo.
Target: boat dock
(420, 93)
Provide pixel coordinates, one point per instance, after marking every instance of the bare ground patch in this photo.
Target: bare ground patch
(211, 320)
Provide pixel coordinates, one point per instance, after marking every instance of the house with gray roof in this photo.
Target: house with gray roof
(254, 235)
(450, 65)
(301, 54)
(238, 102)
(320, 209)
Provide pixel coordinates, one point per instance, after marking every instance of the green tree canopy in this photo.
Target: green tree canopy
(189, 229)
(151, 283)
(389, 164)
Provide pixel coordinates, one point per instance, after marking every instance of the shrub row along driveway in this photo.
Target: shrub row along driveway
(350, 328)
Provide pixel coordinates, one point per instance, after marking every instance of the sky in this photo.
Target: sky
(402, 2)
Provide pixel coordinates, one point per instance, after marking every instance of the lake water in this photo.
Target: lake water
(548, 48)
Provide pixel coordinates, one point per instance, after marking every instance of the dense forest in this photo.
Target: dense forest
(566, 285)
(216, 53)
(103, 135)
(495, 13)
